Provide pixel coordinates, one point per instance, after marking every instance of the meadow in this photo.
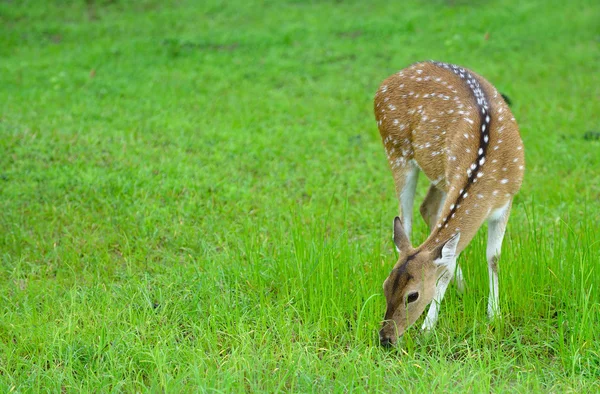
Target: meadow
(194, 197)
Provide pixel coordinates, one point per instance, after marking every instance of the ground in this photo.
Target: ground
(194, 195)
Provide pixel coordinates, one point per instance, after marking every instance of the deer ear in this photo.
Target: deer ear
(445, 254)
(400, 239)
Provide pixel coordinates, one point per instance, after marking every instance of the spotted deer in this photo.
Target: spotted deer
(454, 126)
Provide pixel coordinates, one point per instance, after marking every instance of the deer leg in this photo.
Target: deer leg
(432, 206)
(434, 309)
(496, 229)
(406, 194)
(431, 209)
(459, 280)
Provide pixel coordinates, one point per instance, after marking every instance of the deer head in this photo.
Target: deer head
(411, 285)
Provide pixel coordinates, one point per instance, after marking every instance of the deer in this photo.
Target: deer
(451, 124)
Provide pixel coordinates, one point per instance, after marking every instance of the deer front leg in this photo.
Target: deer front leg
(459, 280)
(406, 185)
(434, 309)
(447, 262)
(432, 205)
(431, 209)
(496, 228)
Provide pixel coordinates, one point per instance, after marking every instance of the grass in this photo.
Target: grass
(194, 196)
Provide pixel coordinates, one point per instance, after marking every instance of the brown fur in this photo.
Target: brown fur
(418, 274)
(428, 115)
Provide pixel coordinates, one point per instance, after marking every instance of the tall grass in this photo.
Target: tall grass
(194, 197)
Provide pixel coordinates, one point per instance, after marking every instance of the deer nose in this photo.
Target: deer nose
(385, 342)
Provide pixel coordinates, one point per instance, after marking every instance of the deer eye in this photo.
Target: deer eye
(412, 297)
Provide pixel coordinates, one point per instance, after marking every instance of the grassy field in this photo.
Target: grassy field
(194, 196)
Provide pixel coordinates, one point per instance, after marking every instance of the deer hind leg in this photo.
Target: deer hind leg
(496, 228)
(406, 185)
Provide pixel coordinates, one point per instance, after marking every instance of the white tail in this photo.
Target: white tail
(454, 126)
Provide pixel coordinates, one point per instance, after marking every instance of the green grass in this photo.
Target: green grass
(195, 196)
